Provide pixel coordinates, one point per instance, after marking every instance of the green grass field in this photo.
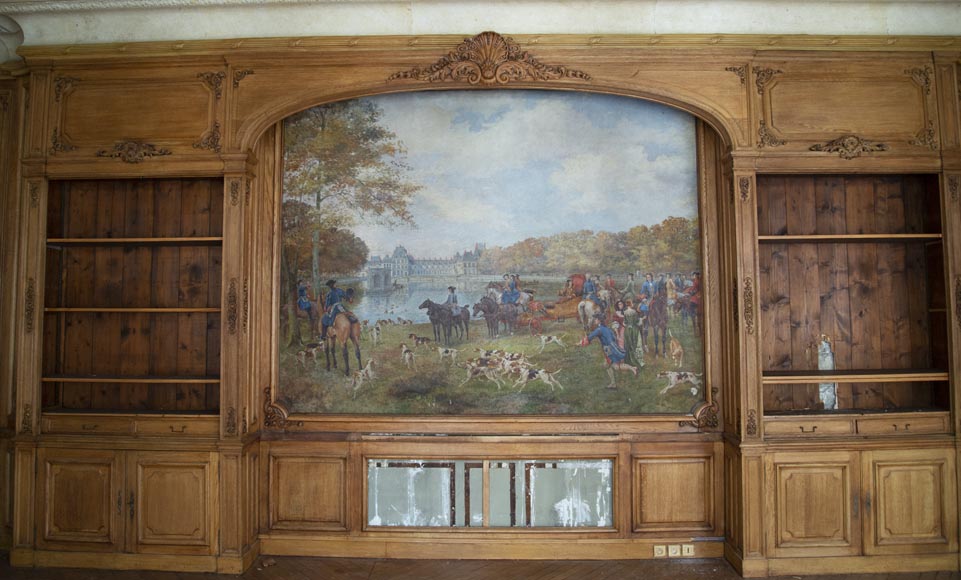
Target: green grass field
(432, 387)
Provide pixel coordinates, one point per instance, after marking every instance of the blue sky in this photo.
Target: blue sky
(501, 166)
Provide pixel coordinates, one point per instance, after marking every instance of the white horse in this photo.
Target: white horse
(586, 310)
(522, 300)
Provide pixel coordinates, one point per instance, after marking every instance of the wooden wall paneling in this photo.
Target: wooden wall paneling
(308, 487)
(754, 490)
(746, 282)
(172, 502)
(136, 114)
(676, 490)
(842, 112)
(233, 373)
(812, 504)
(911, 500)
(733, 501)
(232, 509)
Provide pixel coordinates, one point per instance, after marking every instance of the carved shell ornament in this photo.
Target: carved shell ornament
(850, 146)
(489, 59)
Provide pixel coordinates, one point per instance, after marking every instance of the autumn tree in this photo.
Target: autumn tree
(341, 166)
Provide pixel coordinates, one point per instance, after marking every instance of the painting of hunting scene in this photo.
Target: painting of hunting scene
(490, 253)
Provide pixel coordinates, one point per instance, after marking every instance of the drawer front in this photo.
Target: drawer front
(808, 427)
(178, 427)
(88, 425)
(902, 425)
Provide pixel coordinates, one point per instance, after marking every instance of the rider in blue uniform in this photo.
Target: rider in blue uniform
(451, 301)
(648, 288)
(511, 294)
(303, 299)
(589, 290)
(332, 306)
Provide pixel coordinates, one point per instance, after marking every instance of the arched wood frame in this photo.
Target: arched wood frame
(711, 147)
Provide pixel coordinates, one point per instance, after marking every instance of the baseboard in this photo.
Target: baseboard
(746, 567)
(239, 564)
(863, 564)
(472, 549)
(44, 559)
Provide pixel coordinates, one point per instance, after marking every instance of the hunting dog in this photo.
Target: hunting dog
(550, 339)
(407, 355)
(676, 350)
(419, 340)
(450, 353)
(675, 378)
(358, 377)
(535, 374)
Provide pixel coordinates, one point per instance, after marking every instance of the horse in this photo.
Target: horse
(441, 319)
(495, 291)
(339, 332)
(461, 323)
(689, 308)
(487, 308)
(657, 320)
(313, 315)
(586, 311)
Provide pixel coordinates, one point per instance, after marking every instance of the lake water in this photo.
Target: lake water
(404, 301)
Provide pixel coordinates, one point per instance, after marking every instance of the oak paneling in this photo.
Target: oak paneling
(308, 493)
(674, 493)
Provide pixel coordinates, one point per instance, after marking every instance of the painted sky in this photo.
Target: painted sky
(501, 166)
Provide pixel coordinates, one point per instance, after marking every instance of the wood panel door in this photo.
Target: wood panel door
(171, 502)
(813, 504)
(910, 502)
(79, 503)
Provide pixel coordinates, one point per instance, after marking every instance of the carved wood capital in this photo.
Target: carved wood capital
(29, 305)
(232, 306)
(954, 188)
(488, 59)
(133, 151)
(26, 424)
(744, 187)
(748, 294)
(33, 192)
(752, 423)
(231, 423)
(849, 146)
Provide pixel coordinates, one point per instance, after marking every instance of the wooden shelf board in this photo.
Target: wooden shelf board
(135, 310)
(158, 414)
(184, 240)
(850, 238)
(849, 413)
(859, 376)
(120, 379)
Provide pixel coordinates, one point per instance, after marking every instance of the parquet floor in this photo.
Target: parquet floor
(289, 568)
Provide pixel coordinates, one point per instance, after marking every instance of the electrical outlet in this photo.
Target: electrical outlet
(687, 550)
(674, 551)
(660, 551)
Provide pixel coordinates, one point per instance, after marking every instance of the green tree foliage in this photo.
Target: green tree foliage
(341, 165)
(670, 246)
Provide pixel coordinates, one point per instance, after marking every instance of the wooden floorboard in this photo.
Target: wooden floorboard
(303, 568)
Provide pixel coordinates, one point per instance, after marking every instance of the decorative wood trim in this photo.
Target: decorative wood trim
(234, 192)
(245, 306)
(243, 422)
(275, 414)
(488, 59)
(231, 427)
(4, 102)
(26, 424)
(736, 305)
(925, 138)
(215, 81)
(30, 305)
(849, 146)
(133, 151)
(705, 414)
(744, 187)
(954, 188)
(232, 306)
(957, 299)
(922, 76)
(247, 189)
(240, 75)
(752, 423)
(740, 71)
(33, 191)
(61, 85)
(766, 138)
(210, 139)
(749, 304)
(58, 146)
(763, 76)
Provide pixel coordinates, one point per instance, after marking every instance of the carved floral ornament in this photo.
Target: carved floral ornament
(275, 414)
(849, 146)
(705, 414)
(489, 59)
(133, 151)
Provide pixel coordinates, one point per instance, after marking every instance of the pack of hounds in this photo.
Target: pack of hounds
(497, 366)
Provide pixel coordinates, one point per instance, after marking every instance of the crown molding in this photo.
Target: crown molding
(327, 44)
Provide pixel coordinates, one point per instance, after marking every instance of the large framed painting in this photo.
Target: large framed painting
(506, 253)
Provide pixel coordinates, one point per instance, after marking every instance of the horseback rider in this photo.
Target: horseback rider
(332, 307)
(511, 294)
(451, 301)
(589, 291)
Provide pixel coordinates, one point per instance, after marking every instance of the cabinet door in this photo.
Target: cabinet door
(910, 502)
(80, 503)
(172, 501)
(812, 504)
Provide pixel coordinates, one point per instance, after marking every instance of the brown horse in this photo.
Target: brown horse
(342, 329)
(657, 320)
